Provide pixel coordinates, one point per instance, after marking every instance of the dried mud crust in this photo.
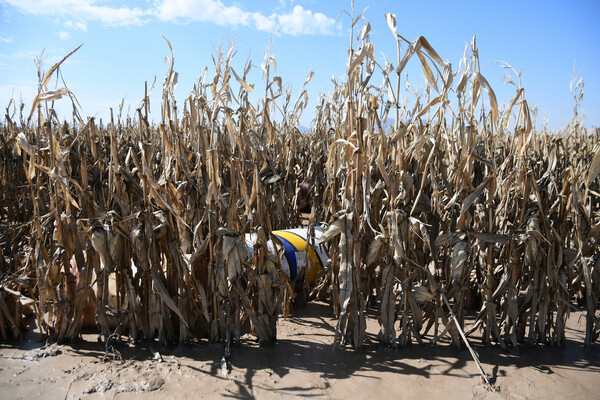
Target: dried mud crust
(302, 363)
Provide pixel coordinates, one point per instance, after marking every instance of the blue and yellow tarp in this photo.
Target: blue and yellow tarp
(295, 250)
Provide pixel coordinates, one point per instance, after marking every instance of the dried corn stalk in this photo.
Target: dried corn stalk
(141, 226)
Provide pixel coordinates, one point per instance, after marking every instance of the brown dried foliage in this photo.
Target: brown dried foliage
(460, 198)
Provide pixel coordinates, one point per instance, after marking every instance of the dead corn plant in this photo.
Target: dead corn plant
(444, 210)
(460, 199)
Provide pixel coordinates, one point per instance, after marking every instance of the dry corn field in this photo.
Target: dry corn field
(432, 208)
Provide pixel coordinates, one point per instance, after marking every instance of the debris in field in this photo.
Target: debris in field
(99, 387)
(224, 367)
(152, 385)
(43, 352)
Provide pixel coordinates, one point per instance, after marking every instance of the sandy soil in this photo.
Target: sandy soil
(301, 364)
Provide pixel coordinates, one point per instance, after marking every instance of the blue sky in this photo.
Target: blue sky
(123, 46)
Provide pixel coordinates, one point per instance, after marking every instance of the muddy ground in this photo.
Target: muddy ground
(301, 364)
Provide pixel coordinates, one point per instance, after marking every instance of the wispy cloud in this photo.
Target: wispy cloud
(298, 21)
(82, 10)
(5, 39)
(48, 56)
(76, 25)
(64, 35)
(24, 54)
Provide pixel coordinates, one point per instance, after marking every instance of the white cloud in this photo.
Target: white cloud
(82, 10)
(298, 22)
(263, 23)
(305, 22)
(64, 35)
(202, 11)
(5, 39)
(76, 25)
